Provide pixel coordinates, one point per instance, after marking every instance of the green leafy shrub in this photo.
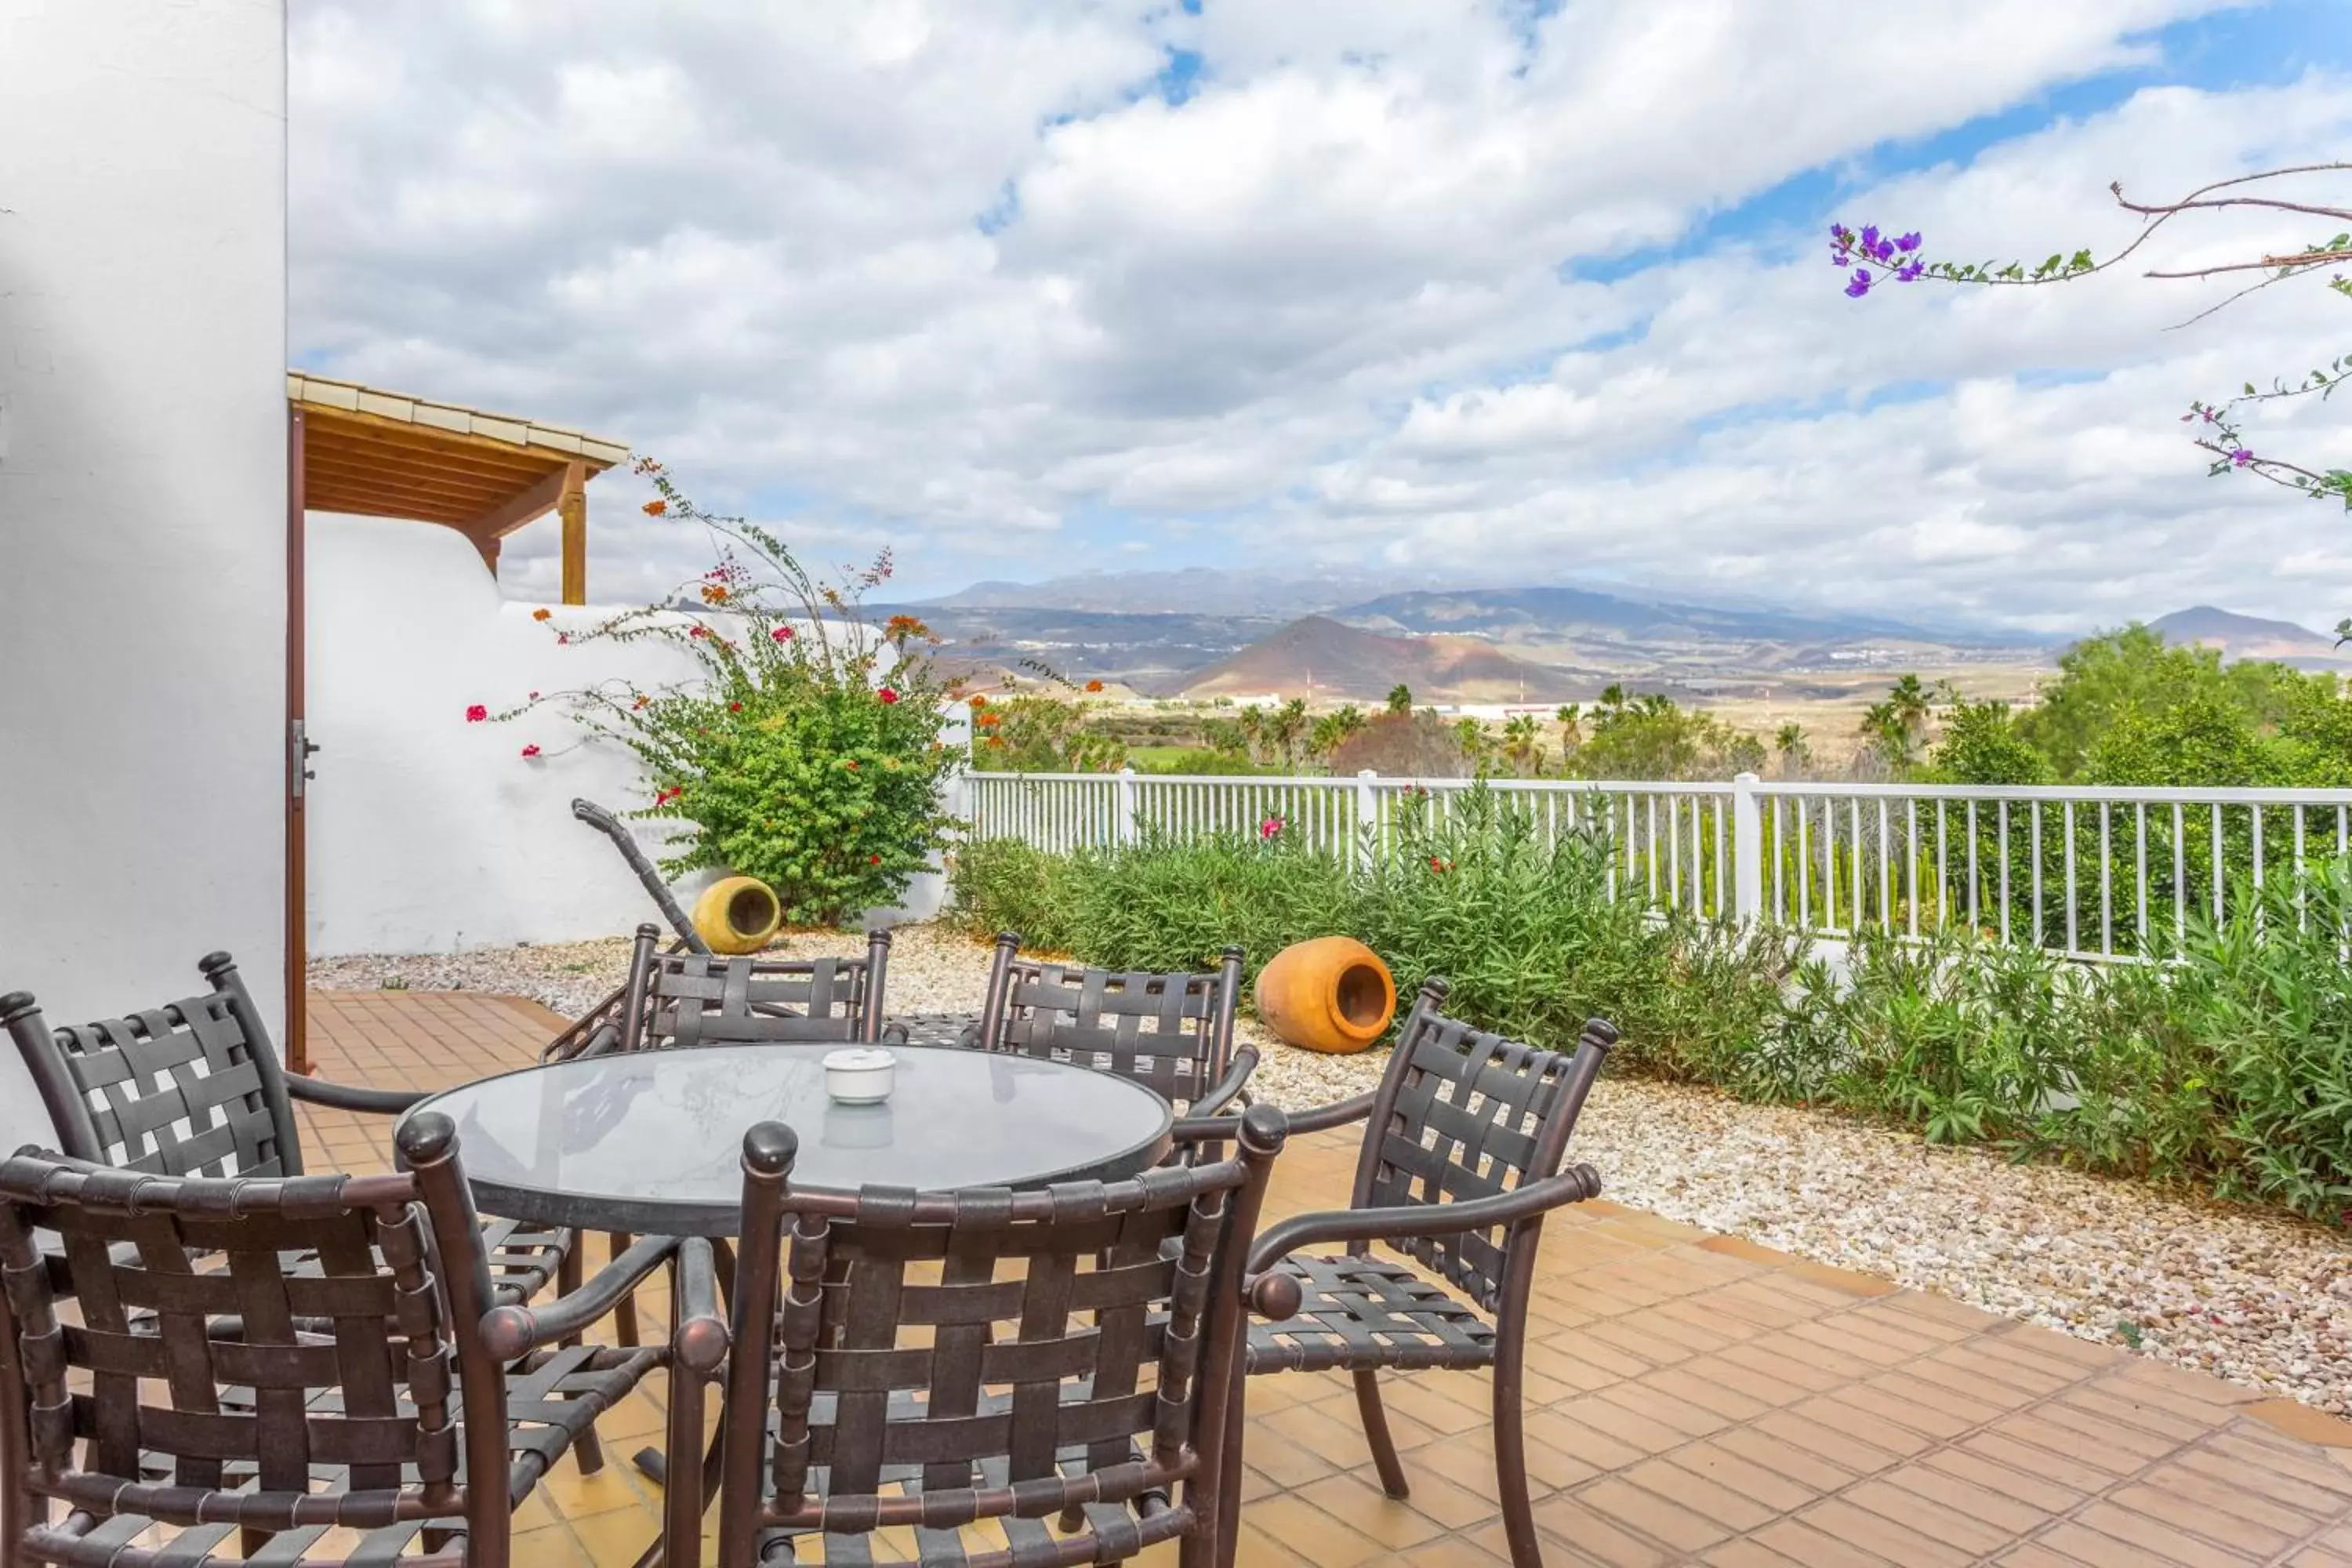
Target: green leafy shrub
(806, 750)
(2229, 1070)
(1004, 884)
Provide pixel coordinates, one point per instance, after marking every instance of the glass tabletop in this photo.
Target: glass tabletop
(649, 1141)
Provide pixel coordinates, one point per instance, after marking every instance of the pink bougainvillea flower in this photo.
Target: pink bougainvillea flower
(1269, 828)
(699, 632)
(781, 634)
(532, 750)
(564, 636)
(887, 695)
(477, 713)
(534, 697)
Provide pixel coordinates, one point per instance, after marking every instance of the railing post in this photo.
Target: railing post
(1123, 830)
(1368, 818)
(1747, 851)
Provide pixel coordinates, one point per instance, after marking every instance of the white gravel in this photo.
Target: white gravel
(2263, 1302)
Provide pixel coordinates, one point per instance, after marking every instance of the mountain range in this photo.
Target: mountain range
(1203, 633)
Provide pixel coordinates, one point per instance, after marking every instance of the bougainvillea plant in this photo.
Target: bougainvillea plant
(806, 750)
(1870, 257)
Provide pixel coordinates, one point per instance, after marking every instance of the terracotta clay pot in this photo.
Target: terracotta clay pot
(1332, 995)
(738, 914)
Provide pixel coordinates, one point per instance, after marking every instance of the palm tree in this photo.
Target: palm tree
(1789, 740)
(1522, 743)
(1471, 736)
(1400, 698)
(1572, 725)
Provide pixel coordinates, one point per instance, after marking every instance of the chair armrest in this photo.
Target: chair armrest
(1573, 1186)
(512, 1331)
(352, 1096)
(603, 1042)
(701, 1340)
(1229, 1088)
(1323, 1118)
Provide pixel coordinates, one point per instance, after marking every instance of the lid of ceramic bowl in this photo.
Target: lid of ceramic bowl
(859, 1059)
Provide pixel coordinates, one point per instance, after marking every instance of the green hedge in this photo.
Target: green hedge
(2231, 1070)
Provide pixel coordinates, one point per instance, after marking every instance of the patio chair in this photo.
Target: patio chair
(195, 1087)
(1172, 1033)
(960, 1368)
(1462, 1144)
(229, 1408)
(688, 999)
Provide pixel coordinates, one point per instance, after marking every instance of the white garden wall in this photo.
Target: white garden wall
(142, 504)
(428, 833)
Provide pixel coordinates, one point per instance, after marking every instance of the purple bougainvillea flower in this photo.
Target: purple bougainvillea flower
(1885, 251)
(1908, 273)
(1870, 236)
(1837, 231)
(1860, 285)
(1907, 242)
(2242, 456)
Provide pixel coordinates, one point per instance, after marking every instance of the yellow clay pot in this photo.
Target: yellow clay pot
(738, 914)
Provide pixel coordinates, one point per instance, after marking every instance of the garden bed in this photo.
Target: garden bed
(2263, 1302)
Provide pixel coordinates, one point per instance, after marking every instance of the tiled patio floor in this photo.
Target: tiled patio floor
(1692, 1399)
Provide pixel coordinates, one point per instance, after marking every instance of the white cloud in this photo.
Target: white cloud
(1318, 308)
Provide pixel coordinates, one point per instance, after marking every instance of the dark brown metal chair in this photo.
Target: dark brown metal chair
(1463, 1145)
(989, 1359)
(688, 999)
(1172, 1033)
(194, 1088)
(230, 1407)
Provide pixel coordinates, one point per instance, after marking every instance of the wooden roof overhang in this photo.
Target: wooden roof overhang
(385, 454)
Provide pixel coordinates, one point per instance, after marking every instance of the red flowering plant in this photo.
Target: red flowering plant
(804, 752)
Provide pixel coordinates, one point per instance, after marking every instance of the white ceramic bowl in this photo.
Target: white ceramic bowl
(860, 1075)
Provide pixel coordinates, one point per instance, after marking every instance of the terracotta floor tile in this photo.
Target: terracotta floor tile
(1689, 1399)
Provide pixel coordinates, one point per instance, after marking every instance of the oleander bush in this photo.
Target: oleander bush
(2229, 1070)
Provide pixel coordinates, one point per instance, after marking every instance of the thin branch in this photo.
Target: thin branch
(2296, 263)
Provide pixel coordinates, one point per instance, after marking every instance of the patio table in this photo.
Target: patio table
(647, 1142)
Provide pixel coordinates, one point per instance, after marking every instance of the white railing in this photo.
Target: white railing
(2092, 871)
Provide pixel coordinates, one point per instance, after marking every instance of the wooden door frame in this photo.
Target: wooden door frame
(297, 933)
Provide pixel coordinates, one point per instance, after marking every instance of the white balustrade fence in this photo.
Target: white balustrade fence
(2092, 871)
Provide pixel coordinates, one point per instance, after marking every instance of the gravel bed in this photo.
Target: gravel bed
(2262, 1301)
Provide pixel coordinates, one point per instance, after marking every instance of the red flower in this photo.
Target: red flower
(657, 508)
(664, 796)
(1094, 686)
(851, 764)
(874, 860)
(887, 695)
(734, 708)
(530, 750)
(699, 632)
(564, 636)
(477, 713)
(781, 634)
(541, 614)
(643, 700)
(1269, 828)
(534, 697)
(977, 700)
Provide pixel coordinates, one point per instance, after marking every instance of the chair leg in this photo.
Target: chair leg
(625, 1315)
(682, 1498)
(1376, 1432)
(1511, 1467)
(586, 1448)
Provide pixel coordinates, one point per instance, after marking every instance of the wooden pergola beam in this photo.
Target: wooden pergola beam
(383, 454)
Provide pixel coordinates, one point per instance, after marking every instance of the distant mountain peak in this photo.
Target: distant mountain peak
(2251, 637)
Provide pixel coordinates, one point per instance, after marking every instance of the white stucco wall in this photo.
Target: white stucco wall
(427, 833)
(143, 503)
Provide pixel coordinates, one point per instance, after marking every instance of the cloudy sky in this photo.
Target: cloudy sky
(1465, 292)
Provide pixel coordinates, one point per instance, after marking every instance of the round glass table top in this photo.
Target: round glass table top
(650, 1141)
